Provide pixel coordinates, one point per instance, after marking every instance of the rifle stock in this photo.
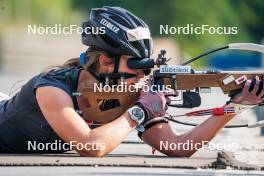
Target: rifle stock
(227, 81)
(94, 112)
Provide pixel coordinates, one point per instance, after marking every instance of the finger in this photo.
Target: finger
(164, 99)
(142, 94)
(261, 95)
(238, 98)
(147, 87)
(261, 88)
(168, 100)
(252, 85)
(166, 107)
(171, 92)
(149, 80)
(246, 87)
(256, 86)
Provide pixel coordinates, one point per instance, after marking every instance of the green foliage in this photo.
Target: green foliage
(46, 12)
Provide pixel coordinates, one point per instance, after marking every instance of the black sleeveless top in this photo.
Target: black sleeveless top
(21, 119)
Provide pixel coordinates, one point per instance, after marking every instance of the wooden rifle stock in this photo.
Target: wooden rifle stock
(227, 81)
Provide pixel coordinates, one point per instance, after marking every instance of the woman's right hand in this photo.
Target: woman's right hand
(252, 92)
(154, 103)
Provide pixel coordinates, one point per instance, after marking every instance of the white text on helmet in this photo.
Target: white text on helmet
(109, 25)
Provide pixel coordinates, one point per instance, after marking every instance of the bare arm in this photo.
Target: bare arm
(203, 132)
(57, 107)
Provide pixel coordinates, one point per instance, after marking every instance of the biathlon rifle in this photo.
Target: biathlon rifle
(179, 77)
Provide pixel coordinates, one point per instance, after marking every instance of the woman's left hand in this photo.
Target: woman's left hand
(252, 93)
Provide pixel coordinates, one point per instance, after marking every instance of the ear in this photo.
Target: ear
(104, 61)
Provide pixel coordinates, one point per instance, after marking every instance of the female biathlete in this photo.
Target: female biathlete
(45, 110)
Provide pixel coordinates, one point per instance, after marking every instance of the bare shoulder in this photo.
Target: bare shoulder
(52, 97)
(57, 108)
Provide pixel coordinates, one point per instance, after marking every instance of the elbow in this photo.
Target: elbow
(96, 153)
(180, 153)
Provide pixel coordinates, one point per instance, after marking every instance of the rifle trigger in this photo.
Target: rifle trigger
(173, 82)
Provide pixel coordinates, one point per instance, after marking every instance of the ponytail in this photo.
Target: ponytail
(92, 54)
(74, 62)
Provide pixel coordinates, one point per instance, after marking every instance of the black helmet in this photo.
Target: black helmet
(125, 33)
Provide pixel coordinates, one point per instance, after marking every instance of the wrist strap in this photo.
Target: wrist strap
(150, 123)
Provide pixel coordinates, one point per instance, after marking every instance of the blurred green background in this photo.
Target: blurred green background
(247, 15)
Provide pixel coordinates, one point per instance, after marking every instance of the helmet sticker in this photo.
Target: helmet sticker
(138, 34)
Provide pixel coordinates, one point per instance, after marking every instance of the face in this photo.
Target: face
(124, 68)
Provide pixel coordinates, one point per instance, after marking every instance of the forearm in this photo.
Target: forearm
(163, 133)
(110, 135)
(205, 131)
